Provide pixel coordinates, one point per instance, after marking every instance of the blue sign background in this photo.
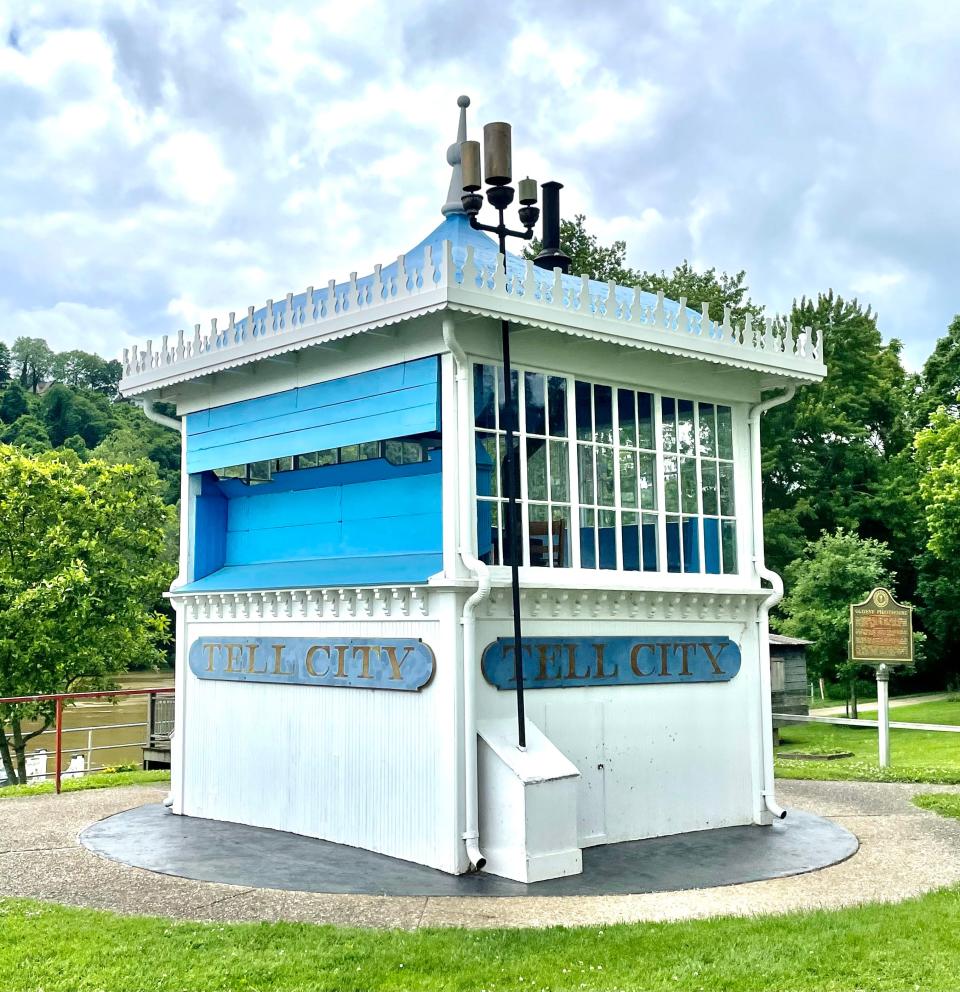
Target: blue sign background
(402, 663)
(571, 662)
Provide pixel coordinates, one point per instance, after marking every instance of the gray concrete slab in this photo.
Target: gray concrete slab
(904, 852)
(152, 837)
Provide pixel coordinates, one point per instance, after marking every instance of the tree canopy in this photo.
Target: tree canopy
(81, 569)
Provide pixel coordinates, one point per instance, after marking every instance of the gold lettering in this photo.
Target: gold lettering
(546, 653)
(684, 648)
(664, 657)
(252, 660)
(315, 649)
(635, 660)
(341, 650)
(278, 668)
(395, 663)
(572, 663)
(234, 652)
(364, 651)
(210, 648)
(601, 674)
(714, 658)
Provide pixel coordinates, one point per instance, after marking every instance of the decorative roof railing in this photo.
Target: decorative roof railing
(479, 282)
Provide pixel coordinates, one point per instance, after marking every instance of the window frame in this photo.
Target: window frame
(661, 575)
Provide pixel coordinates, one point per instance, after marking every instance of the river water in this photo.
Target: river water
(111, 742)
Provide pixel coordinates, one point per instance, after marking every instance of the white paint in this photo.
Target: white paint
(528, 817)
(883, 706)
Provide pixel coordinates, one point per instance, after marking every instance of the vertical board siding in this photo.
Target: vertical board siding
(370, 406)
(364, 767)
(653, 760)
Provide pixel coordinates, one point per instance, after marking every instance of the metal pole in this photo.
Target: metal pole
(58, 764)
(515, 527)
(883, 714)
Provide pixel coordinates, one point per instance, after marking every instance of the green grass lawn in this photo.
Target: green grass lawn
(100, 780)
(911, 945)
(946, 804)
(915, 755)
(945, 711)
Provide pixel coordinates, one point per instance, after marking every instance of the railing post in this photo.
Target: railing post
(59, 758)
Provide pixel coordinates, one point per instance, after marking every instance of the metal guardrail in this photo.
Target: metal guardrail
(160, 709)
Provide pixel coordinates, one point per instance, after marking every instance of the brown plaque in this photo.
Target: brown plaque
(881, 630)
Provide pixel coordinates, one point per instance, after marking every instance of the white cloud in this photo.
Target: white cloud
(165, 164)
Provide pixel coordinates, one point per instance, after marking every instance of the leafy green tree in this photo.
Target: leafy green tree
(834, 571)
(13, 403)
(587, 255)
(77, 444)
(34, 359)
(4, 364)
(28, 433)
(938, 457)
(838, 455)
(82, 368)
(81, 566)
(939, 382)
(606, 262)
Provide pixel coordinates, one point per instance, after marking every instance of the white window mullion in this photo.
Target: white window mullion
(617, 501)
(700, 516)
(661, 488)
(521, 448)
(573, 473)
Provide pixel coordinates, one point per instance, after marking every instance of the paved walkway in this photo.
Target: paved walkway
(841, 710)
(904, 851)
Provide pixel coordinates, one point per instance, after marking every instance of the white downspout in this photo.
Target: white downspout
(479, 570)
(776, 594)
(158, 418)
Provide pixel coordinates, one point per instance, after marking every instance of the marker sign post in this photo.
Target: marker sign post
(881, 634)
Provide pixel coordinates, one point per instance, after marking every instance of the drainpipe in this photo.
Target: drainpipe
(480, 572)
(158, 418)
(774, 597)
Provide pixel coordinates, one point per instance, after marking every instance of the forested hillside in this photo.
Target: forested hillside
(69, 400)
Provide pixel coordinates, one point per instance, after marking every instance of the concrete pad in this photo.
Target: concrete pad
(904, 851)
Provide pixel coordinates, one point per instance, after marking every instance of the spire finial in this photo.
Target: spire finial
(453, 204)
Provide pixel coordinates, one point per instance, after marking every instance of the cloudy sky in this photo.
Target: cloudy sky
(167, 162)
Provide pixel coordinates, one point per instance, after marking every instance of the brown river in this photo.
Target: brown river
(106, 732)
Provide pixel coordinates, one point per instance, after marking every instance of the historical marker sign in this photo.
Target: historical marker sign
(881, 630)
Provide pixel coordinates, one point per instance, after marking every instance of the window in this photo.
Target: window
(398, 451)
(610, 478)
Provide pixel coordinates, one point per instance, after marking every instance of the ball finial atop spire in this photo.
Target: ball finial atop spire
(453, 204)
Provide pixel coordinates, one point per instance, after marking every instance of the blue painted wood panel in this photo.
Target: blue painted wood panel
(372, 523)
(370, 406)
(374, 570)
(210, 528)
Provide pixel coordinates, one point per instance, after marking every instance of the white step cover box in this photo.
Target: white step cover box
(528, 804)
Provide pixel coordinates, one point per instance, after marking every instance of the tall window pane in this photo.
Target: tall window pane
(535, 397)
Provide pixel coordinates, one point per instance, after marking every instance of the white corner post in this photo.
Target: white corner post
(768, 792)
(480, 572)
(883, 713)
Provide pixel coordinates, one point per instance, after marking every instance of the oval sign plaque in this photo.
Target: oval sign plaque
(402, 663)
(569, 662)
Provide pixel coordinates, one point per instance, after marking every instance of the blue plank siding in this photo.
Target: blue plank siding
(376, 570)
(370, 406)
(210, 527)
(356, 524)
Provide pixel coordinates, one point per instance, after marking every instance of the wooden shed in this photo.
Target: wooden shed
(789, 686)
